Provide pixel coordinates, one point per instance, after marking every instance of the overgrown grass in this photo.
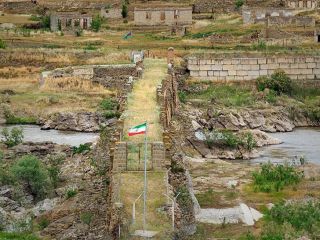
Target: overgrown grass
(227, 95)
(81, 149)
(230, 139)
(17, 236)
(275, 177)
(290, 221)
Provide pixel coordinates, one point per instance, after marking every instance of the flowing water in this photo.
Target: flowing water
(33, 133)
(302, 142)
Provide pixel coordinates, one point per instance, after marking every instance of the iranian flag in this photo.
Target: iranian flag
(140, 129)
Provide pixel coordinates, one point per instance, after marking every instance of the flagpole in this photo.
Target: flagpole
(145, 180)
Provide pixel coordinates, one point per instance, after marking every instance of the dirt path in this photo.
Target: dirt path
(142, 102)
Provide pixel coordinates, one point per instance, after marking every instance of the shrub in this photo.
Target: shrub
(275, 177)
(124, 11)
(239, 3)
(249, 142)
(45, 22)
(71, 193)
(2, 44)
(108, 104)
(176, 168)
(12, 138)
(260, 45)
(54, 168)
(81, 149)
(79, 32)
(302, 216)
(96, 23)
(112, 114)
(182, 96)
(86, 217)
(33, 174)
(43, 223)
(222, 138)
(278, 82)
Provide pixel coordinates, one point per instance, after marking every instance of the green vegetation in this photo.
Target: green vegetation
(182, 96)
(239, 3)
(54, 168)
(2, 44)
(229, 95)
(230, 139)
(86, 217)
(71, 193)
(96, 23)
(275, 177)
(259, 46)
(12, 119)
(290, 221)
(108, 104)
(12, 138)
(17, 236)
(81, 149)
(43, 223)
(30, 172)
(124, 11)
(278, 82)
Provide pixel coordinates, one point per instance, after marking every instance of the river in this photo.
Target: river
(302, 142)
(33, 133)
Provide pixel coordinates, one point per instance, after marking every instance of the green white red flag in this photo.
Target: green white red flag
(139, 129)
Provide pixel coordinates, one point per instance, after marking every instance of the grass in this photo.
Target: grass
(142, 103)
(213, 199)
(17, 236)
(227, 95)
(132, 187)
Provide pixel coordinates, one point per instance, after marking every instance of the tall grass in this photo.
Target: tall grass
(275, 177)
(73, 84)
(227, 95)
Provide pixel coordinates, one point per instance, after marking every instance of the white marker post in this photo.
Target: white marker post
(145, 181)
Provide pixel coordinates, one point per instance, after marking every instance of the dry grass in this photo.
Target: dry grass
(15, 19)
(142, 103)
(72, 84)
(132, 187)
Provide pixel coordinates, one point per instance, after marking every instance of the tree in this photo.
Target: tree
(96, 23)
(124, 11)
(239, 3)
(33, 174)
(12, 138)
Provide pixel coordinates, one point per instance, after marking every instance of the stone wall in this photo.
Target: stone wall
(256, 14)
(205, 6)
(169, 16)
(292, 21)
(112, 13)
(158, 155)
(302, 4)
(242, 69)
(167, 97)
(111, 76)
(19, 6)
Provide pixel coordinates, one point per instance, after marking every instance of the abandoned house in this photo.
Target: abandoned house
(256, 14)
(302, 4)
(69, 21)
(111, 13)
(169, 16)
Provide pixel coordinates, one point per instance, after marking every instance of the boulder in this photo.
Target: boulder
(82, 122)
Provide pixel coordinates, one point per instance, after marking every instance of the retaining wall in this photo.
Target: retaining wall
(242, 69)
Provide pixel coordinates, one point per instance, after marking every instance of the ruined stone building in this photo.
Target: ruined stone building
(302, 4)
(69, 21)
(256, 14)
(177, 18)
(169, 16)
(111, 13)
